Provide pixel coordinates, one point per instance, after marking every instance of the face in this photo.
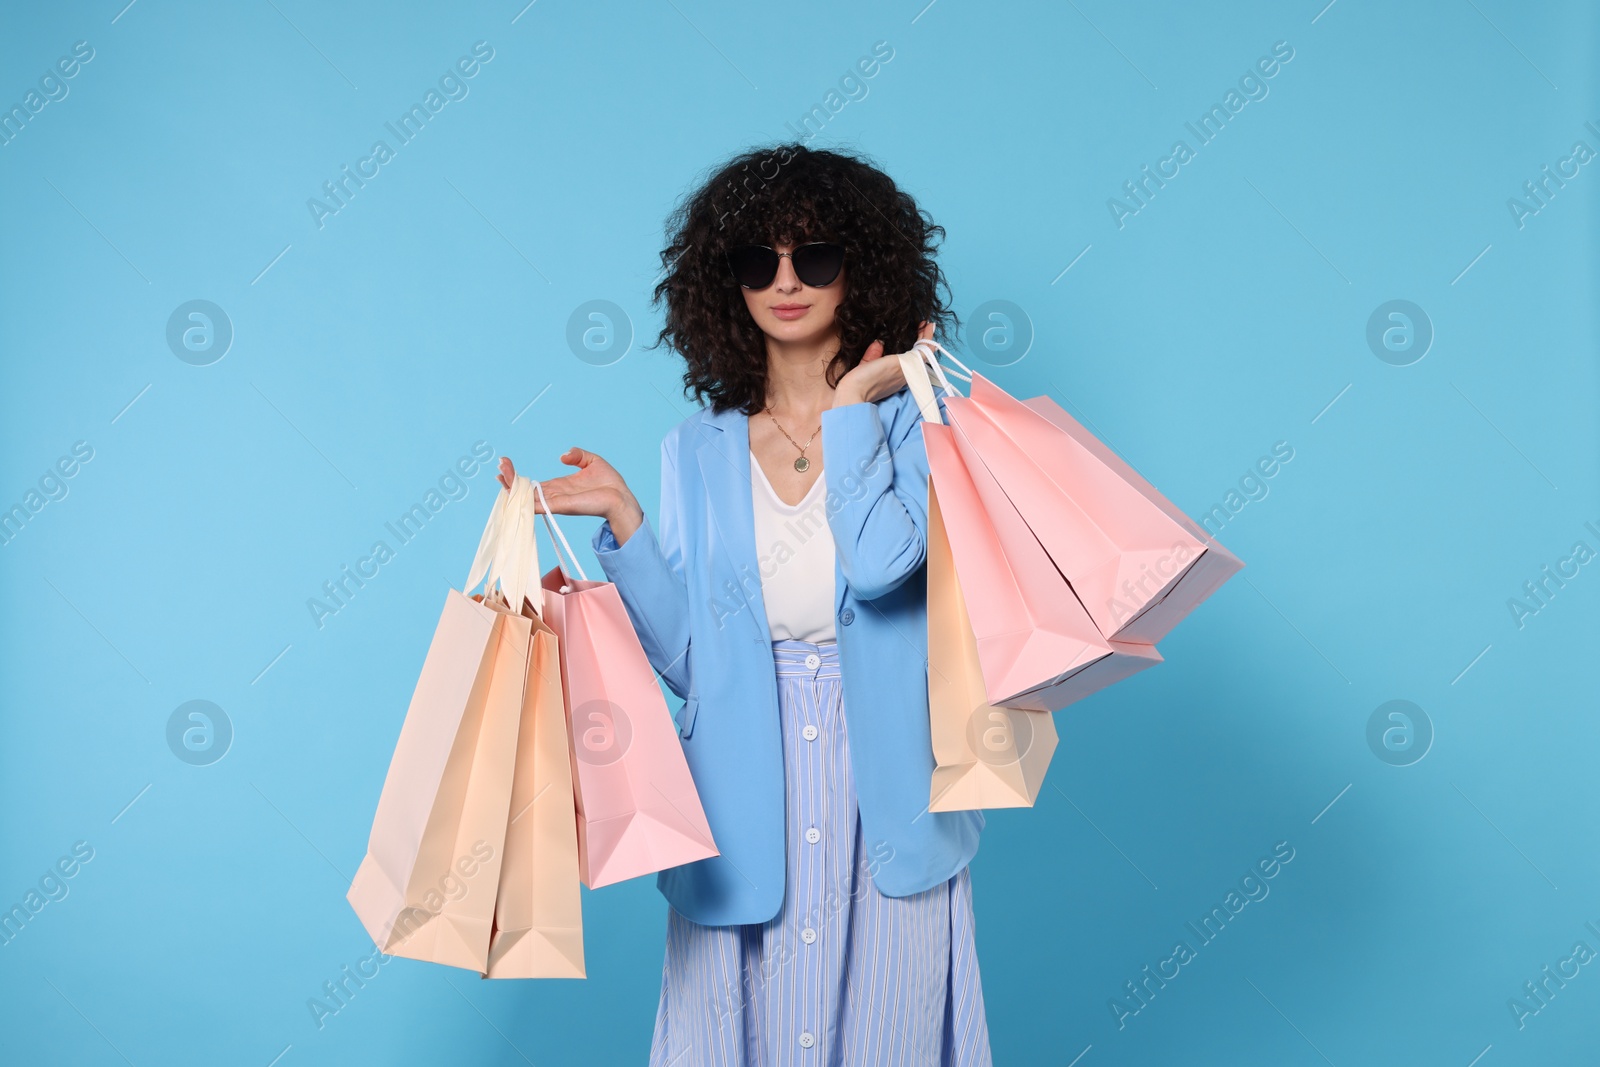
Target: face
(792, 312)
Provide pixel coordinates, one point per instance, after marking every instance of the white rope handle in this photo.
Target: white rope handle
(556, 535)
(928, 346)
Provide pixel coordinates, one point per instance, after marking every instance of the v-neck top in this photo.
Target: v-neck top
(795, 551)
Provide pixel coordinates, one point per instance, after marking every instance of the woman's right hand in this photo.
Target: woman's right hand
(595, 488)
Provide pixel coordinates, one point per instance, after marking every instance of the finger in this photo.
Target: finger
(874, 351)
(577, 457)
(508, 472)
(569, 500)
(555, 490)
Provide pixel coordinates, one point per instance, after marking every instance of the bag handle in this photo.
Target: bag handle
(919, 363)
(516, 562)
(484, 557)
(508, 551)
(557, 538)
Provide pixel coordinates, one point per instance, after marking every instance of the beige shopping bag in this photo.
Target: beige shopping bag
(538, 919)
(985, 756)
(427, 887)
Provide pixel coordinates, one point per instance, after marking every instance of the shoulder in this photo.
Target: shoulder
(683, 439)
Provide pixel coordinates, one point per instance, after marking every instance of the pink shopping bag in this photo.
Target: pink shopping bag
(1136, 562)
(1039, 649)
(638, 809)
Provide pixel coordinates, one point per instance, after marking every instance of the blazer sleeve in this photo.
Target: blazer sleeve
(878, 506)
(649, 574)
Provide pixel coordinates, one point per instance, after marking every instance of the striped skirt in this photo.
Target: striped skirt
(843, 976)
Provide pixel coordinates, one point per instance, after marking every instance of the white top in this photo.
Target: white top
(795, 551)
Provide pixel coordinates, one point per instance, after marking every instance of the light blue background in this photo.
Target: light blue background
(1226, 316)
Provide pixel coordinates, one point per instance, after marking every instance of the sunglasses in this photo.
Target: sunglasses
(816, 265)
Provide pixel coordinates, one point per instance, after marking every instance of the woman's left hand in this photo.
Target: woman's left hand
(875, 377)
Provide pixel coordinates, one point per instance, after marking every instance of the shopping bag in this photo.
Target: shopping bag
(1135, 561)
(1038, 648)
(426, 888)
(538, 915)
(984, 756)
(1204, 577)
(638, 809)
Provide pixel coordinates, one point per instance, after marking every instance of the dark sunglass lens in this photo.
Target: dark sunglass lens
(753, 266)
(818, 264)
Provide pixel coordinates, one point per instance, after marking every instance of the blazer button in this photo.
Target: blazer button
(847, 616)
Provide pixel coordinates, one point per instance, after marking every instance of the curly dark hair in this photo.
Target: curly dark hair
(789, 193)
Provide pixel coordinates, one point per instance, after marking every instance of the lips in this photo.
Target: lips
(789, 312)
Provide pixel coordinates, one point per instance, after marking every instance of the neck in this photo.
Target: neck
(797, 383)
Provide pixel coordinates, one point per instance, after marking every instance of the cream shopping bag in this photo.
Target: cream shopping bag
(427, 887)
(984, 756)
(538, 919)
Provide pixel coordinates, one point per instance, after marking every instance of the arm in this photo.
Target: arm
(878, 507)
(649, 575)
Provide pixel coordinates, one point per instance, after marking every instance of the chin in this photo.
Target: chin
(795, 331)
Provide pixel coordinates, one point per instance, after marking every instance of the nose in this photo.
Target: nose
(787, 281)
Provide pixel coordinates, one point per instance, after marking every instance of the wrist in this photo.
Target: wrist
(625, 520)
(843, 397)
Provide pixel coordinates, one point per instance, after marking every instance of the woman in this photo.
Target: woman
(783, 596)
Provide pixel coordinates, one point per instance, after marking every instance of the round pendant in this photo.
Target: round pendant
(802, 464)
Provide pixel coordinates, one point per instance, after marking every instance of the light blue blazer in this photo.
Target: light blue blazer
(692, 588)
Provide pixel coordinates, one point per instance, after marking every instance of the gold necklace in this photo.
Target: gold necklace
(801, 463)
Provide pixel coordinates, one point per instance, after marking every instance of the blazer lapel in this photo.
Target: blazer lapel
(723, 452)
